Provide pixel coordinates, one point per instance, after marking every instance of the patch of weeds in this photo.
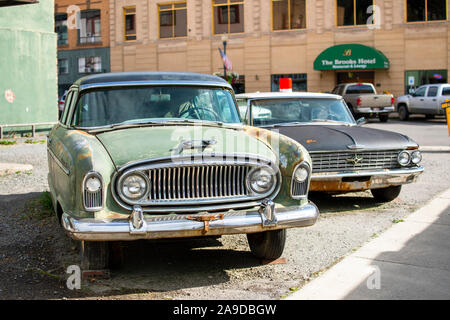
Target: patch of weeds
(39, 208)
(398, 220)
(18, 172)
(7, 142)
(31, 141)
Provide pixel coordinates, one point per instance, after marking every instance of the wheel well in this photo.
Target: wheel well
(402, 104)
(59, 211)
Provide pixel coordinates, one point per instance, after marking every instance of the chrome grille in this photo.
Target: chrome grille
(194, 183)
(197, 182)
(344, 161)
(93, 200)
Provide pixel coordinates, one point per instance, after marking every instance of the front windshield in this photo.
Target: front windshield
(303, 110)
(112, 106)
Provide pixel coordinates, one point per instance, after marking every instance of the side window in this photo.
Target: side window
(335, 90)
(421, 92)
(242, 104)
(66, 107)
(432, 91)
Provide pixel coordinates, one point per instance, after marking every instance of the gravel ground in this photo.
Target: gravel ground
(34, 252)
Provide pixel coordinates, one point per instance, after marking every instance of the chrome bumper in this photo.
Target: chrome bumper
(375, 110)
(363, 180)
(139, 227)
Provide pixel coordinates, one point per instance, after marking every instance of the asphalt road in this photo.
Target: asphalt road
(34, 252)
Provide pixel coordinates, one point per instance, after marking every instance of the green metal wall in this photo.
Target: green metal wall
(28, 64)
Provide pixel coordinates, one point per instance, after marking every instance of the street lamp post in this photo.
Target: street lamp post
(224, 42)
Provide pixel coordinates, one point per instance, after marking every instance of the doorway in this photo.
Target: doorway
(355, 76)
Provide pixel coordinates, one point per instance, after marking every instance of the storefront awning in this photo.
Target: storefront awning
(351, 56)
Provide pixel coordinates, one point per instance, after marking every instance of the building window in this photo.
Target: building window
(417, 78)
(426, 10)
(89, 64)
(298, 81)
(172, 20)
(61, 28)
(63, 66)
(288, 14)
(353, 12)
(129, 23)
(228, 16)
(89, 31)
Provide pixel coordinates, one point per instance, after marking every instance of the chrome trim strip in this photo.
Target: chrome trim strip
(58, 162)
(387, 172)
(245, 222)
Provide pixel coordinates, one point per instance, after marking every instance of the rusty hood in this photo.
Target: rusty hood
(135, 144)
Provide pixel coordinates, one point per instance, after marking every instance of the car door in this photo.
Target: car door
(417, 101)
(431, 100)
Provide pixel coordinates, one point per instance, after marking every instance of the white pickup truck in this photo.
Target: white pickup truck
(363, 100)
(427, 100)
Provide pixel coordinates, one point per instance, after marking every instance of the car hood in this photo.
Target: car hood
(135, 144)
(338, 138)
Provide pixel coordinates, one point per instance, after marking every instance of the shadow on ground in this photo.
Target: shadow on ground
(420, 270)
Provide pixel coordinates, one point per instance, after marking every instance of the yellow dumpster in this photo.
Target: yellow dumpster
(446, 106)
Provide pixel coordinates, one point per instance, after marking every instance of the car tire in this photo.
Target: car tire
(386, 194)
(383, 117)
(94, 255)
(268, 244)
(403, 113)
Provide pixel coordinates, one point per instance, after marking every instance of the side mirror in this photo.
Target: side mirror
(361, 121)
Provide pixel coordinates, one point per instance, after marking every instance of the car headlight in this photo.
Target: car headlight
(404, 158)
(93, 184)
(416, 157)
(134, 186)
(261, 180)
(301, 174)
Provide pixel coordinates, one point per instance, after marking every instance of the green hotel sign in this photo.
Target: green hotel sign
(351, 56)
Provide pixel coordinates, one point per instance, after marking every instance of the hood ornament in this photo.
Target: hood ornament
(355, 160)
(194, 145)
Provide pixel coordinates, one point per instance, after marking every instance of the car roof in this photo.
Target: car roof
(265, 95)
(435, 84)
(137, 78)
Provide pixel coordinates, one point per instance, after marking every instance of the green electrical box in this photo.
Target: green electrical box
(28, 65)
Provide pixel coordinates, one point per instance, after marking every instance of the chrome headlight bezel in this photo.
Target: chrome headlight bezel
(127, 195)
(267, 172)
(401, 154)
(93, 200)
(303, 185)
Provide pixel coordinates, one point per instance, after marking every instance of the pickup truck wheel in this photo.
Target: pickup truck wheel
(94, 255)
(268, 244)
(386, 194)
(383, 117)
(403, 113)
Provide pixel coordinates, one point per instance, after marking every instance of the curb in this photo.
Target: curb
(434, 148)
(9, 168)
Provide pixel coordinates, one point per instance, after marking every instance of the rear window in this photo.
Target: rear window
(359, 88)
(446, 91)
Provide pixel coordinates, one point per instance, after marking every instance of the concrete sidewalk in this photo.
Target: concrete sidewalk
(10, 168)
(411, 260)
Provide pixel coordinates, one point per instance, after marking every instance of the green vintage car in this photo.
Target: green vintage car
(165, 155)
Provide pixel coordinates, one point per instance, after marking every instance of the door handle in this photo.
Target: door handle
(421, 99)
